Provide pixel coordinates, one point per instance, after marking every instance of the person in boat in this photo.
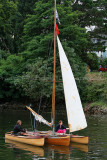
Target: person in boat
(18, 130)
(60, 128)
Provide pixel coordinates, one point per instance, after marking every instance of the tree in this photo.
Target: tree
(7, 10)
(38, 46)
(24, 7)
(38, 42)
(94, 15)
(92, 61)
(36, 82)
(10, 68)
(38, 30)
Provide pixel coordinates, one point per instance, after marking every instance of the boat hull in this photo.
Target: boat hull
(58, 140)
(79, 139)
(31, 140)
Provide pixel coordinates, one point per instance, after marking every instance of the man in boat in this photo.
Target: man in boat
(60, 128)
(18, 130)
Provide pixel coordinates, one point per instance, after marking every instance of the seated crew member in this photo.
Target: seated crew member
(18, 130)
(60, 128)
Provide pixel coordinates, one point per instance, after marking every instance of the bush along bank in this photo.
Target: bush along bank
(96, 93)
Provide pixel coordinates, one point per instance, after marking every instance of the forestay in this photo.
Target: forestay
(39, 117)
(75, 114)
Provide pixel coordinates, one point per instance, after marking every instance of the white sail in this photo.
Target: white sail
(75, 114)
(39, 117)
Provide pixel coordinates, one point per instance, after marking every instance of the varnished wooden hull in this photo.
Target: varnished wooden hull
(32, 140)
(58, 140)
(34, 149)
(79, 139)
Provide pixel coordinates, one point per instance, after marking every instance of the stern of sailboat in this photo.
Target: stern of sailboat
(79, 139)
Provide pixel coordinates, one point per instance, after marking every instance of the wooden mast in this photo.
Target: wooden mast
(53, 94)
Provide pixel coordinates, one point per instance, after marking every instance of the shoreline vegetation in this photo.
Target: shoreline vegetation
(90, 108)
(27, 47)
(96, 96)
(96, 93)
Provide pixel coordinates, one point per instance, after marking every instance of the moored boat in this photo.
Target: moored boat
(56, 139)
(75, 114)
(79, 139)
(29, 139)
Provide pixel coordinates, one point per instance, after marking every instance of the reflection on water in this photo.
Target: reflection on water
(97, 148)
(34, 149)
(81, 147)
(50, 149)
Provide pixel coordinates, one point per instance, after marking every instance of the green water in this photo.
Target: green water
(96, 130)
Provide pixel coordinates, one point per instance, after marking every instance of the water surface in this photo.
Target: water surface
(96, 130)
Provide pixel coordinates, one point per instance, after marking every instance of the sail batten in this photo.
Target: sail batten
(75, 114)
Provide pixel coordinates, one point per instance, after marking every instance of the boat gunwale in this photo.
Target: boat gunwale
(77, 136)
(25, 137)
(59, 137)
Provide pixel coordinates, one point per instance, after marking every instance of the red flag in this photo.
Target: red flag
(56, 29)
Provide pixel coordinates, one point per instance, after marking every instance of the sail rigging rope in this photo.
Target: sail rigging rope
(31, 121)
(48, 56)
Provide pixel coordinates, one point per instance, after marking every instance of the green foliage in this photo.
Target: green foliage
(92, 61)
(104, 62)
(97, 87)
(3, 54)
(94, 14)
(9, 69)
(37, 80)
(100, 103)
(26, 47)
(33, 82)
(7, 10)
(23, 9)
(38, 30)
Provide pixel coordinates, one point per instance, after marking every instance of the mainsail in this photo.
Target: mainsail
(39, 117)
(75, 114)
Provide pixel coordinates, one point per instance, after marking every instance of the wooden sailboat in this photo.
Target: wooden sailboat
(56, 139)
(75, 114)
(28, 139)
(50, 136)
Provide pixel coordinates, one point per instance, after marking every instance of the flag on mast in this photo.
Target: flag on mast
(56, 29)
(57, 17)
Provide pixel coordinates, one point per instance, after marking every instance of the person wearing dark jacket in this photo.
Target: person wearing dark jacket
(60, 128)
(18, 130)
